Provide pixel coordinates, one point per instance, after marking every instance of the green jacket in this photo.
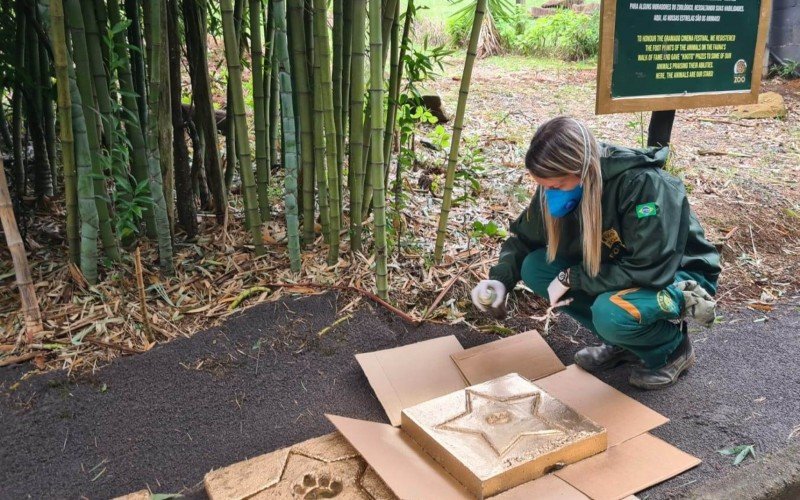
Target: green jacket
(649, 231)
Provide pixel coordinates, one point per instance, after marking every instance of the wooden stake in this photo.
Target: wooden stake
(30, 304)
(142, 300)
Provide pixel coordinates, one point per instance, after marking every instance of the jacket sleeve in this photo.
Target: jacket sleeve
(527, 235)
(654, 244)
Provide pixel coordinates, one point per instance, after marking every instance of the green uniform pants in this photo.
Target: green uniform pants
(637, 319)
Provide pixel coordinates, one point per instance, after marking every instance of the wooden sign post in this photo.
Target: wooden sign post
(674, 55)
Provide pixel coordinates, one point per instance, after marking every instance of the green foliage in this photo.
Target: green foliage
(471, 169)
(460, 23)
(638, 125)
(567, 35)
(789, 69)
(741, 452)
(490, 229)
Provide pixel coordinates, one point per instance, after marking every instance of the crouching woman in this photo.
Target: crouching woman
(609, 236)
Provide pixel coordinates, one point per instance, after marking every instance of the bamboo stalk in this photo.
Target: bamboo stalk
(186, 208)
(86, 197)
(232, 57)
(304, 105)
(458, 125)
(27, 292)
(356, 115)
(156, 49)
(259, 111)
(58, 41)
(325, 86)
(336, 77)
(197, 56)
(103, 98)
(290, 159)
(376, 152)
(85, 87)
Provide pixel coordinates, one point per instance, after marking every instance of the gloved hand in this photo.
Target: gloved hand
(484, 289)
(698, 303)
(556, 291)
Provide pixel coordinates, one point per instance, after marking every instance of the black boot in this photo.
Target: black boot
(603, 357)
(677, 363)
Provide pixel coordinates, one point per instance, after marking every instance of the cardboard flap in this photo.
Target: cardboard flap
(405, 376)
(526, 353)
(549, 486)
(399, 461)
(622, 416)
(627, 468)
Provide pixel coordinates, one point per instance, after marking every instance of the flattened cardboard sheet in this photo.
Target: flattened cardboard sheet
(627, 468)
(550, 487)
(527, 354)
(622, 416)
(405, 376)
(399, 461)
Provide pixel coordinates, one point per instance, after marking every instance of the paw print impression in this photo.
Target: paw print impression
(314, 487)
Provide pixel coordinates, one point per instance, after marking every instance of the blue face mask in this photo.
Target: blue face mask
(560, 203)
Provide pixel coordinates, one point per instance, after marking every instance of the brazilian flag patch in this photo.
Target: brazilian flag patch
(646, 210)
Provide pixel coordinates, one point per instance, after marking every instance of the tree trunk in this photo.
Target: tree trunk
(197, 55)
(376, 151)
(187, 212)
(156, 49)
(356, 115)
(27, 292)
(59, 44)
(289, 134)
(233, 59)
(458, 124)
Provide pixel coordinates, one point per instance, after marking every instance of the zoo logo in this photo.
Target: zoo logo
(665, 302)
(738, 71)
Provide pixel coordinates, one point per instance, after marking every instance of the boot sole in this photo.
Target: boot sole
(653, 387)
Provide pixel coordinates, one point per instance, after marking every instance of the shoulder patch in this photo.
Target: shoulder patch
(646, 210)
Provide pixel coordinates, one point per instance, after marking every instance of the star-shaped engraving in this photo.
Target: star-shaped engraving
(502, 422)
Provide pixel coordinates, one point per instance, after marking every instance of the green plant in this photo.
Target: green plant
(503, 13)
(490, 229)
(567, 35)
(471, 168)
(741, 452)
(789, 69)
(638, 123)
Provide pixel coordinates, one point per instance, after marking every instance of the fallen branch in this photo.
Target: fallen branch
(333, 325)
(444, 291)
(245, 294)
(711, 152)
(13, 360)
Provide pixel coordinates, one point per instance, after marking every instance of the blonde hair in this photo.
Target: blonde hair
(563, 146)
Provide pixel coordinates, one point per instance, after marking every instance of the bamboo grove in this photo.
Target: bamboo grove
(111, 105)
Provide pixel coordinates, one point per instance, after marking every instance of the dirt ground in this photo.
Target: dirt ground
(264, 379)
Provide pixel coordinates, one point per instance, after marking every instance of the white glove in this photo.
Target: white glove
(556, 291)
(485, 289)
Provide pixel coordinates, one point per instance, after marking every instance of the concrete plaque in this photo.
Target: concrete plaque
(501, 433)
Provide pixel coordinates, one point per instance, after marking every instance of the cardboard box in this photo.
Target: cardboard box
(501, 433)
(323, 467)
(409, 375)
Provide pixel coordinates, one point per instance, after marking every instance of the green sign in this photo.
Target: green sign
(680, 48)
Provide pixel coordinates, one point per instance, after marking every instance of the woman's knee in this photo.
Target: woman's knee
(536, 272)
(610, 319)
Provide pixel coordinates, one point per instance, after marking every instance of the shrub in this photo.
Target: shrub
(567, 35)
